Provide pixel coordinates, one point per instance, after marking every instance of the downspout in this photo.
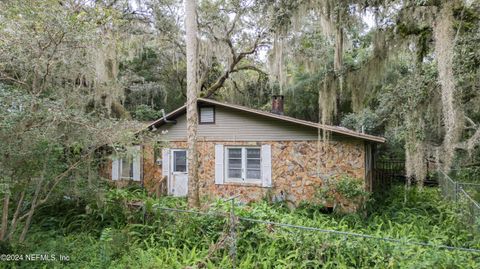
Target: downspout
(142, 177)
(164, 117)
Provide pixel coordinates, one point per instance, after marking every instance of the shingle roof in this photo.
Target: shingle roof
(334, 129)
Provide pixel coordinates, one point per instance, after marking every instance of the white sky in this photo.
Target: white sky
(369, 19)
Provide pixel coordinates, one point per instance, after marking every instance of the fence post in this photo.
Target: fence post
(233, 242)
(456, 191)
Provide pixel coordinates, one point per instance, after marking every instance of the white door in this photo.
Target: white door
(179, 179)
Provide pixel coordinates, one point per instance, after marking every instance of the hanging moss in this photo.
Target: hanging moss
(452, 113)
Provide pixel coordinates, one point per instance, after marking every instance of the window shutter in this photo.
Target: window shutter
(115, 169)
(136, 163)
(266, 166)
(219, 170)
(166, 165)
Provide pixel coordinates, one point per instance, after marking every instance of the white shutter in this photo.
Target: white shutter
(266, 166)
(136, 163)
(115, 168)
(166, 165)
(219, 171)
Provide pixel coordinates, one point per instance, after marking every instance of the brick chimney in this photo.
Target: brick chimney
(277, 104)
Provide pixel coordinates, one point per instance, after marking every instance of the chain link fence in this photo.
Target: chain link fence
(233, 230)
(462, 194)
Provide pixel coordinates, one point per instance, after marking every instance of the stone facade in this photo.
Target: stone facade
(299, 168)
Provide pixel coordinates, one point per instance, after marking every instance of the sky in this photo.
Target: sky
(369, 19)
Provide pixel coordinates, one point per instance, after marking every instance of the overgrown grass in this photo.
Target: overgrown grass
(115, 234)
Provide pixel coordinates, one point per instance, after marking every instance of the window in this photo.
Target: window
(126, 168)
(207, 115)
(179, 161)
(243, 164)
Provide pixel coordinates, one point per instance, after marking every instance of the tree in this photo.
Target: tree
(192, 95)
(48, 138)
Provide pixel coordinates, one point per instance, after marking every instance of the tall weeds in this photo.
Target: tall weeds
(120, 235)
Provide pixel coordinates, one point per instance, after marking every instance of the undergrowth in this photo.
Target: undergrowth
(117, 233)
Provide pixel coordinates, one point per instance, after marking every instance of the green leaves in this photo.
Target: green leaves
(350, 187)
(364, 121)
(177, 240)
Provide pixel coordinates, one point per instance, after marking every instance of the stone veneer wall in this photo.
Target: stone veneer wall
(294, 168)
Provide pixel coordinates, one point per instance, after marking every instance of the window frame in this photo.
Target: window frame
(243, 178)
(200, 115)
(172, 152)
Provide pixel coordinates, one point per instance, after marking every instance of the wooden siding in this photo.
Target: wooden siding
(234, 125)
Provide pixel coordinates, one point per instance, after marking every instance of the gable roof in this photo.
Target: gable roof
(335, 129)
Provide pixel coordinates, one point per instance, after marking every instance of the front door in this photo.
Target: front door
(179, 179)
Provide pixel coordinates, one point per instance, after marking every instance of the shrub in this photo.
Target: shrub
(346, 194)
(164, 239)
(350, 187)
(146, 113)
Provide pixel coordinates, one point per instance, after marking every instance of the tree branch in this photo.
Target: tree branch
(57, 180)
(473, 141)
(237, 58)
(248, 67)
(9, 78)
(470, 143)
(234, 22)
(472, 123)
(13, 224)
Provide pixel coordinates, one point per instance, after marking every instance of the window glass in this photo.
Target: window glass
(235, 153)
(127, 168)
(234, 173)
(235, 163)
(253, 153)
(180, 161)
(253, 163)
(253, 174)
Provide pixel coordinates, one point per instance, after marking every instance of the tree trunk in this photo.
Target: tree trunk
(31, 211)
(34, 201)
(192, 115)
(3, 230)
(13, 224)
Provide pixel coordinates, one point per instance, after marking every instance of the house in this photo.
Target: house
(250, 153)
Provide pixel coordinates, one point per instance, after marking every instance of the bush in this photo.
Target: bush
(350, 188)
(146, 113)
(346, 194)
(366, 121)
(154, 238)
